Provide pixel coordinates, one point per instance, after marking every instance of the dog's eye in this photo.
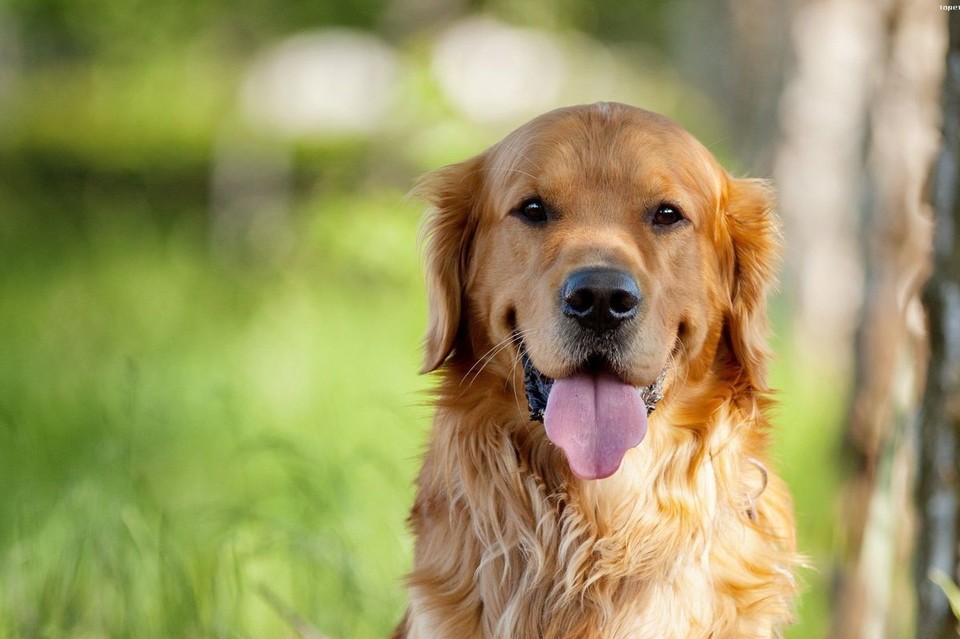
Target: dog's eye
(533, 210)
(667, 215)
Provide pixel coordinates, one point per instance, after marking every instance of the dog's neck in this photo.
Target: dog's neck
(691, 427)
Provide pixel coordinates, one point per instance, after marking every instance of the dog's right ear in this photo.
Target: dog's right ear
(454, 194)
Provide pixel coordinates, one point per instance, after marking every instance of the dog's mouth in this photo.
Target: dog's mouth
(538, 385)
(592, 415)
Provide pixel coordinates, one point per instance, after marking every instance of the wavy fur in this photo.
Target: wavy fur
(694, 535)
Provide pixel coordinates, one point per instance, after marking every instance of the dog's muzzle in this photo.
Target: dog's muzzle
(537, 386)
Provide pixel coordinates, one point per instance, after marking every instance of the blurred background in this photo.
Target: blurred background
(211, 301)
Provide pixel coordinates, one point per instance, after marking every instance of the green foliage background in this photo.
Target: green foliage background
(184, 428)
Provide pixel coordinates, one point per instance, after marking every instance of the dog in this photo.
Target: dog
(597, 464)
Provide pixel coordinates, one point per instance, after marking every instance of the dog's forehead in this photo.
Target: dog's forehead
(607, 147)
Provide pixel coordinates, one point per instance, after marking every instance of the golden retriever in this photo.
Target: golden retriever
(595, 267)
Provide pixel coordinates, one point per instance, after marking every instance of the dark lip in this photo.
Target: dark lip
(537, 385)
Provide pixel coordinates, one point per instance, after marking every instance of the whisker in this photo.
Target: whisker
(516, 399)
(491, 352)
(515, 336)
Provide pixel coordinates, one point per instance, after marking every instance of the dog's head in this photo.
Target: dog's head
(607, 248)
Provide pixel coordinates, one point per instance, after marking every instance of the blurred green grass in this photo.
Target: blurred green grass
(176, 432)
(179, 431)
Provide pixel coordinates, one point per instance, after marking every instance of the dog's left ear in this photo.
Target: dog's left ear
(755, 233)
(453, 193)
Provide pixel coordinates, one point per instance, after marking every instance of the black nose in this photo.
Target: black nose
(600, 299)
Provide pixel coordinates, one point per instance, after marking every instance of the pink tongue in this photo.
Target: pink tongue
(595, 419)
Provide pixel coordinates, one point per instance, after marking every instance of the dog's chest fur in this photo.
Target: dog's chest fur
(661, 549)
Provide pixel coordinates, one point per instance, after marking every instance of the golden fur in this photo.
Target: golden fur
(693, 536)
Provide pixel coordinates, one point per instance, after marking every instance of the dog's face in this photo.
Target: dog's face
(609, 249)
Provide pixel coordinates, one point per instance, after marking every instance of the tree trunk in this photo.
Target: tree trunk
(938, 490)
(879, 444)
(818, 172)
